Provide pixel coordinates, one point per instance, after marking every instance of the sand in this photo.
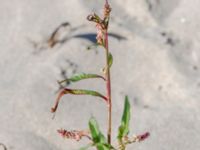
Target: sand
(155, 45)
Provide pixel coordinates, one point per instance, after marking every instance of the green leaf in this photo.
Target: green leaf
(81, 76)
(104, 146)
(94, 129)
(76, 92)
(124, 127)
(101, 146)
(110, 60)
(97, 136)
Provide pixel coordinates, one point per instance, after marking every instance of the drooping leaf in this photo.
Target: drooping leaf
(124, 127)
(76, 92)
(110, 60)
(81, 76)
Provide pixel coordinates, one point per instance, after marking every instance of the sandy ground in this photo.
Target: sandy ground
(156, 62)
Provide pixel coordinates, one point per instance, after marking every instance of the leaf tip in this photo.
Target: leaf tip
(126, 98)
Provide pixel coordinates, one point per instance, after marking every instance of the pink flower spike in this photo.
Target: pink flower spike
(142, 137)
(73, 134)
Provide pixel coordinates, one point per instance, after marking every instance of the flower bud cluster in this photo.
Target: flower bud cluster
(101, 24)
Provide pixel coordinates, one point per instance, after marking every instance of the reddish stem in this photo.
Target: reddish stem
(108, 81)
(108, 88)
(106, 2)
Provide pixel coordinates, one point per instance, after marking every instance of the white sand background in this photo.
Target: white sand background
(157, 65)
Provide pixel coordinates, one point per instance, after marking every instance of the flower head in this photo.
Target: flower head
(74, 134)
(101, 24)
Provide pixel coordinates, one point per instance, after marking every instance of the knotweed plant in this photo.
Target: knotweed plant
(93, 134)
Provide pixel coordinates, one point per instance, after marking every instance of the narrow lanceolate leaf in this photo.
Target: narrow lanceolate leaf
(97, 136)
(110, 147)
(110, 59)
(94, 130)
(81, 76)
(101, 146)
(76, 92)
(104, 146)
(124, 127)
